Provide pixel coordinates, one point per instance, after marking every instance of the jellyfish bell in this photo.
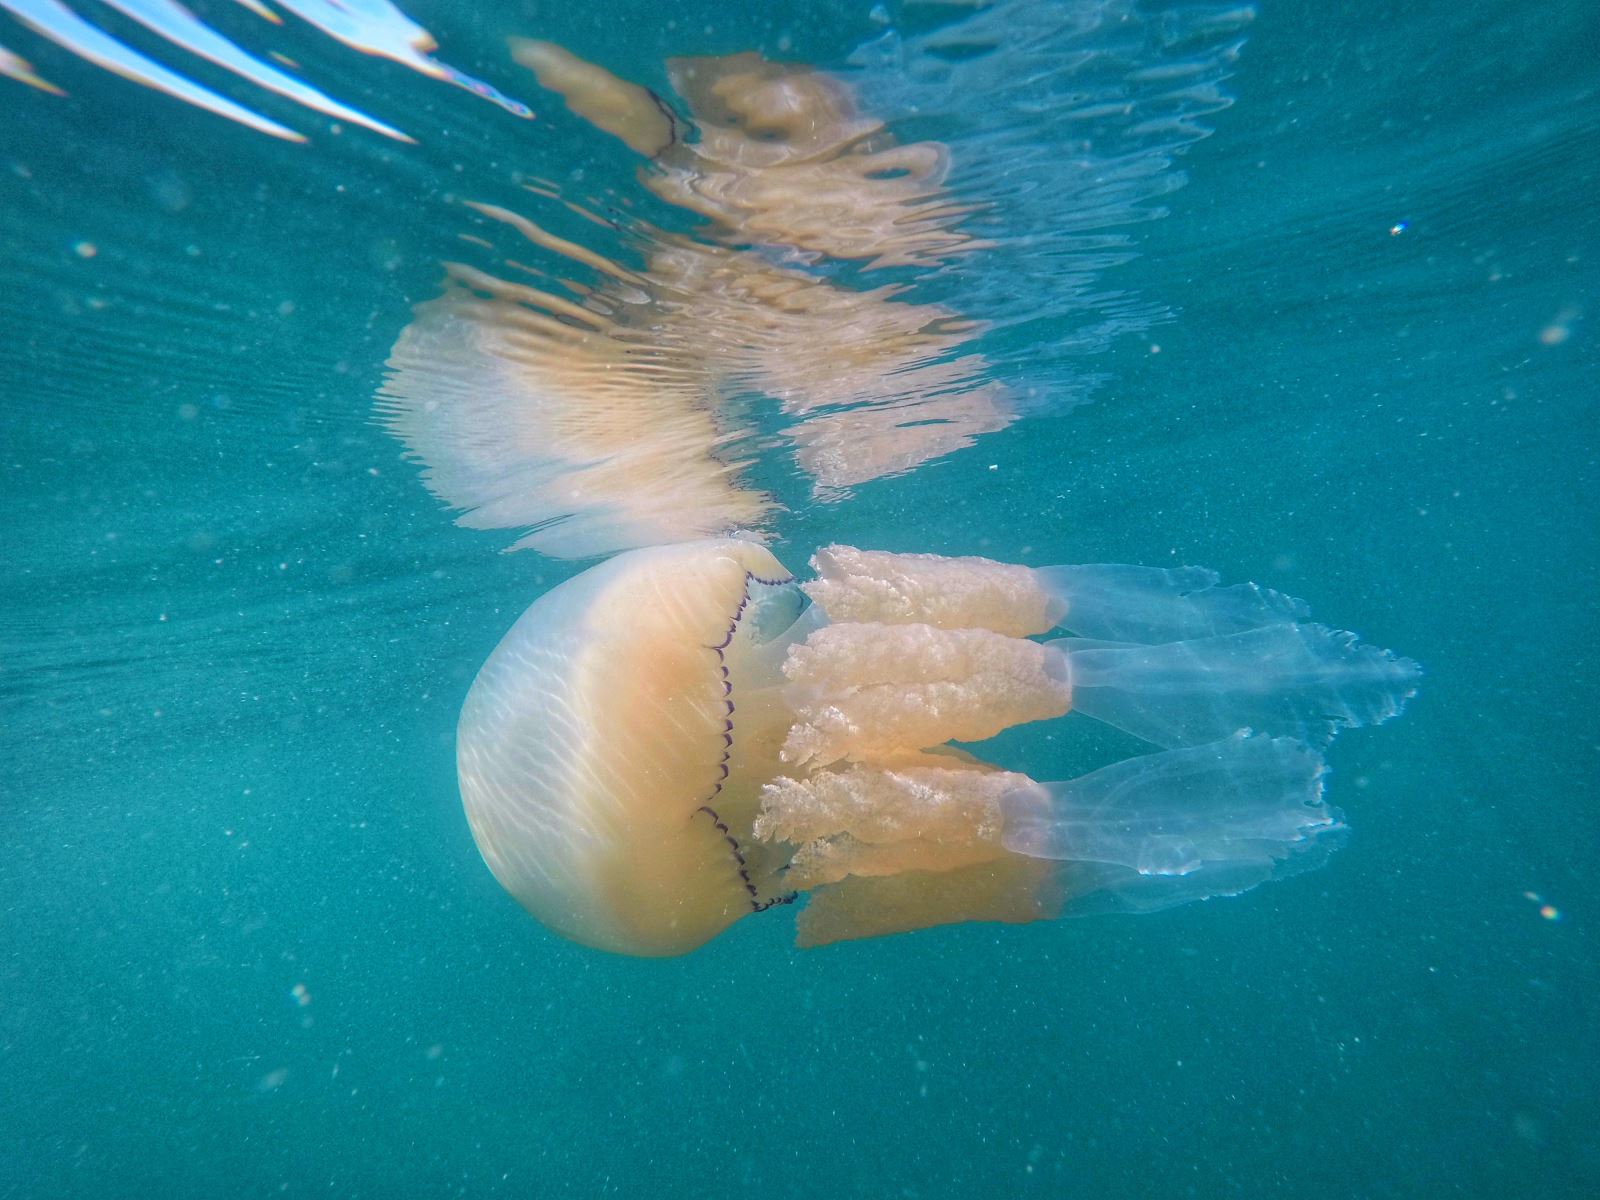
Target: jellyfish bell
(596, 759)
(687, 734)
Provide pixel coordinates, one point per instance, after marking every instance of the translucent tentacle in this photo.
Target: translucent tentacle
(1165, 829)
(1147, 604)
(1306, 681)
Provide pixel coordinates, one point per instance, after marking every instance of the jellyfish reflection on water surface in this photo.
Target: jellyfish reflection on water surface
(687, 734)
(600, 415)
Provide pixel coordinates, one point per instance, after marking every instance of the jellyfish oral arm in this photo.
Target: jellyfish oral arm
(860, 690)
(1156, 830)
(1303, 681)
(1107, 601)
(926, 589)
(1247, 801)
(1116, 603)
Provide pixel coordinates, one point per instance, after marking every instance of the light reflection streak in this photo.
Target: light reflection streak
(370, 26)
(20, 69)
(54, 20)
(181, 27)
(378, 27)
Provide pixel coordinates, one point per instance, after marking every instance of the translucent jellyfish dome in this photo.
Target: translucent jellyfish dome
(685, 735)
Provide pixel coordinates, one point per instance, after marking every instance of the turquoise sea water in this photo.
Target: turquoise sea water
(1334, 328)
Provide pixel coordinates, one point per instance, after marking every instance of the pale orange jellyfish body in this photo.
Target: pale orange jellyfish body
(598, 731)
(675, 739)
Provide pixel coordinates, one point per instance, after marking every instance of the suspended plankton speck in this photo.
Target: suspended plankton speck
(1398, 228)
(1548, 911)
(1558, 330)
(85, 249)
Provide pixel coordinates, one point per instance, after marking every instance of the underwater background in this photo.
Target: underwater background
(1318, 314)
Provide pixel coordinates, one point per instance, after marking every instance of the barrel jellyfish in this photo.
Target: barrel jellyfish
(685, 735)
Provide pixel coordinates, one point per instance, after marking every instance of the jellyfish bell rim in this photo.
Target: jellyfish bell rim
(597, 731)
